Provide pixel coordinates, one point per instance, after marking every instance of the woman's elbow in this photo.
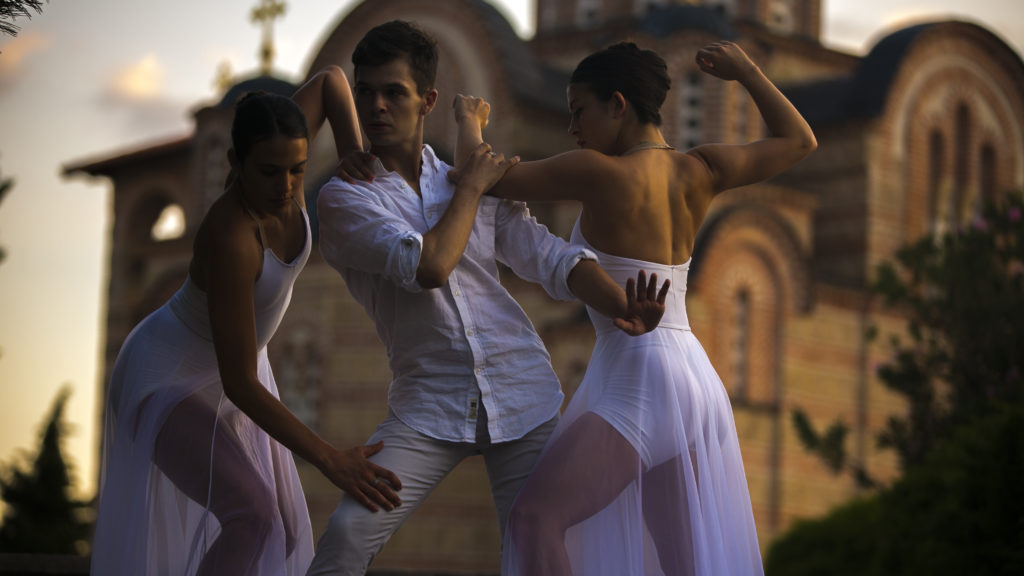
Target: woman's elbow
(810, 143)
(332, 71)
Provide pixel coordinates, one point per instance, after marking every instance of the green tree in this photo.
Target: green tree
(11, 9)
(963, 295)
(958, 511)
(41, 517)
(957, 508)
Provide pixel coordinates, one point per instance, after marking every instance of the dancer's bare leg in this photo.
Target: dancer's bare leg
(583, 471)
(243, 505)
(667, 515)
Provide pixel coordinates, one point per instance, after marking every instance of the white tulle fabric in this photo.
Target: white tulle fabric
(189, 484)
(643, 475)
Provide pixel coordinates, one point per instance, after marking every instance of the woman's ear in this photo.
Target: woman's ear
(618, 104)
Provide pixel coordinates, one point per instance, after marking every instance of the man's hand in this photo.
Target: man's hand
(482, 170)
(470, 108)
(367, 483)
(645, 305)
(355, 166)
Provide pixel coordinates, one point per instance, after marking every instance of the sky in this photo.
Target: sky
(87, 80)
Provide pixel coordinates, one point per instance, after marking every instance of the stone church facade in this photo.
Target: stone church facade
(912, 137)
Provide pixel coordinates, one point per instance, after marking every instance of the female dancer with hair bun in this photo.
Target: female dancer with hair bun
(197, 474)
(643, 474)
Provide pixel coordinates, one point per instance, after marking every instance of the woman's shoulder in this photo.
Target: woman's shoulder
(692, 169)
(226, 225)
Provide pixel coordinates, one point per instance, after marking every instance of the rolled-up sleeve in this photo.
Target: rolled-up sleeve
(358, 232)
(533, 252)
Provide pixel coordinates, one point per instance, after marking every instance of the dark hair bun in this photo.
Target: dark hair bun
(641, 76)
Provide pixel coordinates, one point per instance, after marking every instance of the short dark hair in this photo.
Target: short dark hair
(399, 39)
(641, 76)
(260, 115)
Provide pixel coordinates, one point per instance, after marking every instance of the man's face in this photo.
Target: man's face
(390, 107)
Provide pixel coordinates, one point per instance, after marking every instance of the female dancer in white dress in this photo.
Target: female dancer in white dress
(643, 474)
(197, 477)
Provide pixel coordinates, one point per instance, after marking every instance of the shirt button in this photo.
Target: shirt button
(458, 293)
(469, 332)
(479, 370)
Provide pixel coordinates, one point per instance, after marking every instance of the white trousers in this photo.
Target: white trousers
(355, 535)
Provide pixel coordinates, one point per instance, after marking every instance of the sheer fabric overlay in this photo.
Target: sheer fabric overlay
(189, 484)
(643, 475)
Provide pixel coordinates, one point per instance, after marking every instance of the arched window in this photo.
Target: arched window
(741, 344)
(643, 6)
(781, 16)
(962, 166)
(587, 13)
(691, 107)
(725, 7)
(987, 177)
(936, 162)
(170, 225)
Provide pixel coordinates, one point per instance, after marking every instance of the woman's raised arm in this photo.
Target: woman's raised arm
(790, 139)
(327, 96)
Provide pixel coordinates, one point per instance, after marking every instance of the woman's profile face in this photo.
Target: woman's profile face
(271, 174)
(590, 120)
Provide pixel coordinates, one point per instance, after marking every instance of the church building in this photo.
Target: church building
(913, 137)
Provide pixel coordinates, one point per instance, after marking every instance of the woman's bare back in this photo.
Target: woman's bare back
(652, 208)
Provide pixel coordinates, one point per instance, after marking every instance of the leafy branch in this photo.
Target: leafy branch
(11, 9)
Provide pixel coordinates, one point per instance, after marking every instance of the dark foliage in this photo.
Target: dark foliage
(963, 295)
(11, 9)
(959, 511)
(959, 506)
(40, 515)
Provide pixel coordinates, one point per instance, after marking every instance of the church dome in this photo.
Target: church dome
(259, 83)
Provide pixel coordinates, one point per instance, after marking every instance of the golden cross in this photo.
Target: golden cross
(264, 14)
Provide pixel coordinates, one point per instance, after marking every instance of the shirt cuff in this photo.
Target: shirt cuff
(404, 260)
(568, 263)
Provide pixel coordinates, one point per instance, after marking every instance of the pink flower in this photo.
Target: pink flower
(1014, 214)
(1016, 268)
(980, 224)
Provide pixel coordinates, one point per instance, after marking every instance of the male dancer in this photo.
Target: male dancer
(471, 375)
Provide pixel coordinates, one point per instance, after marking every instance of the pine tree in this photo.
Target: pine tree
(5, 186)
(41, 517)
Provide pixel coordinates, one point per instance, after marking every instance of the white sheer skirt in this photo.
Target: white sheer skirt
(643, 475)
(189, 484)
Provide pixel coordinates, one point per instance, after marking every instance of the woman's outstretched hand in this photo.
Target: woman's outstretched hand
(645, 304)
(725, 60)
(366, 482)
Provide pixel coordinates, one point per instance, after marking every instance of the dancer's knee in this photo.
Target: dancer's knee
(530, 519)
(256, 520)
(247, 514)
(352, 538)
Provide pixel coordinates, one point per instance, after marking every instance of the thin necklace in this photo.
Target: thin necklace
(647, 145)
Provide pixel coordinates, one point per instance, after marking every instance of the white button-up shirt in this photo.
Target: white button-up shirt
(467, 341)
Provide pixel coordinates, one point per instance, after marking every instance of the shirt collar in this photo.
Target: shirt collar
(428, 157)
